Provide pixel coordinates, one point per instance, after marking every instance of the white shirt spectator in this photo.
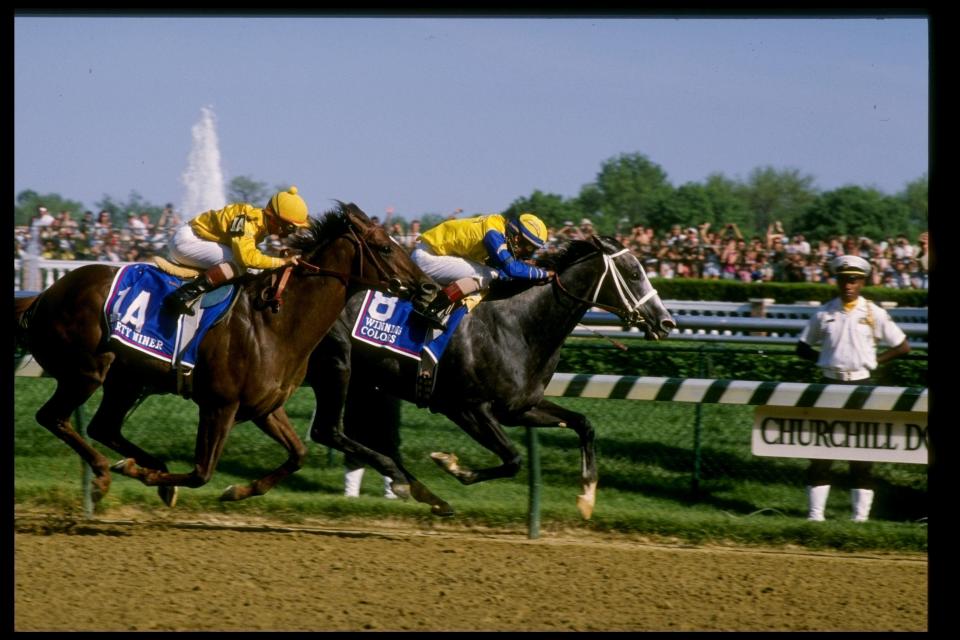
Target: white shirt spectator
(43, 219)
(136, 226)
(902, 248)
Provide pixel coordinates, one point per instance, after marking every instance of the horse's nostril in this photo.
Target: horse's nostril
(668, 325)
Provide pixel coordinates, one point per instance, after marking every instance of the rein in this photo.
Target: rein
(363, 249)
(272, 295)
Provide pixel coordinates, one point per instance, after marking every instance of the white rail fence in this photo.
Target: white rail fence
(759, 320)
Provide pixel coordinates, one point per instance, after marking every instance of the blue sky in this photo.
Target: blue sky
(429, 115)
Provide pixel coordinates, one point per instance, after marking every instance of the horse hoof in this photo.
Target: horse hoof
(446, 461)
(443, 510)
(401, 490)
(232, 494)
(585, 506)
(124, 466)
(99, 488)
(168, 495)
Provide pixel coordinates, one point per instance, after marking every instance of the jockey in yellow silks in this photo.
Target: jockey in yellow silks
(224, 242)
(466, 255)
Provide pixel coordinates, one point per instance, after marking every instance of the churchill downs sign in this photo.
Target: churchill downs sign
(840, 434)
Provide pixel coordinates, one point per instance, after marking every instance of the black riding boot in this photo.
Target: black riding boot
(179, 301)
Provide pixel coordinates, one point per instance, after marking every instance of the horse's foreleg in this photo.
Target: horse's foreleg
(548, 414)
(277, 426)
(55, 414)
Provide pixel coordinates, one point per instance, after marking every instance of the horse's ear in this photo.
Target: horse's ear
(356, 216)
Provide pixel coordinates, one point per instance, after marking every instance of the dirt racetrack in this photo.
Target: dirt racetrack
(118, 575)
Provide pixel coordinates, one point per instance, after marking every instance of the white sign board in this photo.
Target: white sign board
(840, 434)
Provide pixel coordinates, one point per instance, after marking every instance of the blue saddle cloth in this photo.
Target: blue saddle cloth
(389, 322)
(136, 316)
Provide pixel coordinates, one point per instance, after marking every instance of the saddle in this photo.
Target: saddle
(269, 295)
(174, 269)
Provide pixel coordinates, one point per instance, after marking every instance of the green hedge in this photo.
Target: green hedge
(782, 292)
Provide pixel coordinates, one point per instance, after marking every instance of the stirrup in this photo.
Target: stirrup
(434, 321)
(426, 380)
(175, 303)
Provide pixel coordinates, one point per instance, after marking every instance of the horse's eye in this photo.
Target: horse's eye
(385, 249)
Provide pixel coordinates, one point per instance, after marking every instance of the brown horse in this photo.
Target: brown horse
(248, 364)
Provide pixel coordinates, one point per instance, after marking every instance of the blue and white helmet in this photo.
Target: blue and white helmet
(529, 227)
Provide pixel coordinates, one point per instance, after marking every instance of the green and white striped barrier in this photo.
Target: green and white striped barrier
(705, 391)
(708, 391)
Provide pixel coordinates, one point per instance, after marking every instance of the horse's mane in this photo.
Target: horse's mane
(331, 225)
(565, 254)
(568, 252)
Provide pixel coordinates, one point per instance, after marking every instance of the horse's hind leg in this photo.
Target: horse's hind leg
(420, 493)
(329, 432)
(277, 426)
(215, 425)
(119, 396)
(55, 414)
(480, 425)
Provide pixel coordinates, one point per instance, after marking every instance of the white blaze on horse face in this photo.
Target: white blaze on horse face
(137, 311)
(381, 306)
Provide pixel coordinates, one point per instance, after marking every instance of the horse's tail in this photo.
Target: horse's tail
(23, 308)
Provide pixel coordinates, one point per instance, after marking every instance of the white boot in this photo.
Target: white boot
(387, 489)
(861, 501)
(351, 482)
(817, 498)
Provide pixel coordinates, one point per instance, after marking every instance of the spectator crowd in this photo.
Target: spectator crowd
(701, 252)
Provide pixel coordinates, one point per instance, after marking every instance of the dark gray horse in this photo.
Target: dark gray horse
(496, 366)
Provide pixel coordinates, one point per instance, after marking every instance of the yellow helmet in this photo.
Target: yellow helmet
(289, 207)
(529, 227)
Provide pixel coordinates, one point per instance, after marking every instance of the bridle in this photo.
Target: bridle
(272, 294)
(631, 303)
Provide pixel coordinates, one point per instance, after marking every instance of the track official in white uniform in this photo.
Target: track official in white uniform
(847, 330)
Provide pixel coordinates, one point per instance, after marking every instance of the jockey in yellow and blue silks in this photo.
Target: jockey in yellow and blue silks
(224, 242)
(466, 255)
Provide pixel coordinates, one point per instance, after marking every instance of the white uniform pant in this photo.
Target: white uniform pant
(447, 269)
(187, 249)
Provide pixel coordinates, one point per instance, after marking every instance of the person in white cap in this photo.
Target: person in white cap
(847, 329)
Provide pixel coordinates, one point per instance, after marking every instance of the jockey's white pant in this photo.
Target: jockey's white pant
(446, 269)
(187, 249)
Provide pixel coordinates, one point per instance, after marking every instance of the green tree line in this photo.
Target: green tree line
(630, 190)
